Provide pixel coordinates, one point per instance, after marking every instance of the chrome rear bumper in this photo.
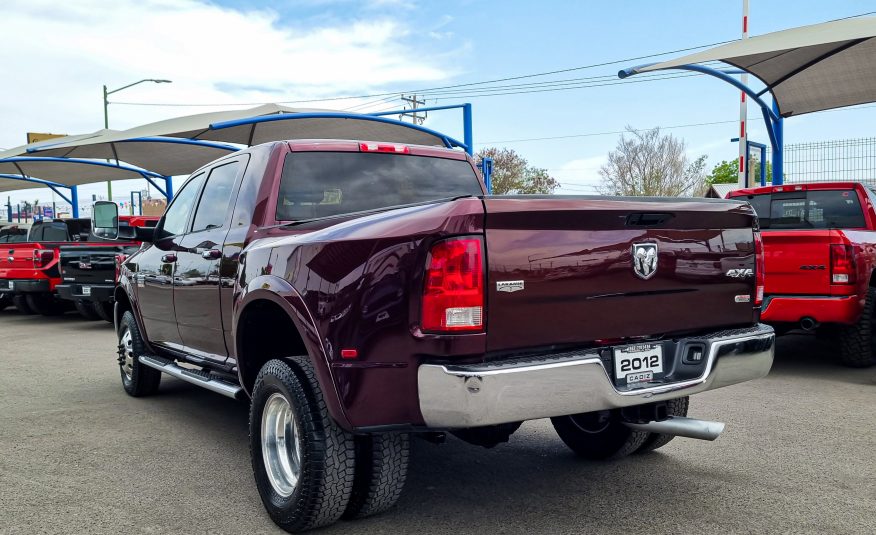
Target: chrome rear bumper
(461, 396)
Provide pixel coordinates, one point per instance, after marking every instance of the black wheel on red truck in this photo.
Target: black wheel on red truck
(20, 302)
(5, 301)
(302, 461)
(857, 341)
(85, 310)
(598, 435)
(381, 471)
(674, 407)
(46, 304)
(137, 379)
(103, 310)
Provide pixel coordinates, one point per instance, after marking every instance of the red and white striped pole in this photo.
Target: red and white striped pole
(743, 112)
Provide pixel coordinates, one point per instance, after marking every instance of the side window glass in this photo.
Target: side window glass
(178, 212)
(212, 209)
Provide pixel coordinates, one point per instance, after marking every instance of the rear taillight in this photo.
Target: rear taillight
(453, 297)
(42, 257)
(759, 269)
(384, 147)
(120, 259)
(842, 264)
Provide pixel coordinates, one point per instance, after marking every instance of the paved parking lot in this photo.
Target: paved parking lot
(79, 456)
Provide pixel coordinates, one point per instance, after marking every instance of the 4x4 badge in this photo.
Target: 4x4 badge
(645, 259)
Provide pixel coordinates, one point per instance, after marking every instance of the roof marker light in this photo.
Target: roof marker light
(384, 147)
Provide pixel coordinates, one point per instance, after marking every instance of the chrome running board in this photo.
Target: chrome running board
(196, 377)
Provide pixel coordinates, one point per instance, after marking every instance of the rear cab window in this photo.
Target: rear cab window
(325, 184)
(809, 209)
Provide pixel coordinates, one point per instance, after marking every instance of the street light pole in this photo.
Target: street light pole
(106, 94)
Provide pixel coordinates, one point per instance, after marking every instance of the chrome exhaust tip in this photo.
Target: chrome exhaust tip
(682, 427)
(808, 324)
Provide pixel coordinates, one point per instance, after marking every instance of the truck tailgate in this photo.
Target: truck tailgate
(95, 264)
(798, 261)
(574, 258)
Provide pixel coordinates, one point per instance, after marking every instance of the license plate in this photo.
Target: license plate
(86, 290)
(638, 363)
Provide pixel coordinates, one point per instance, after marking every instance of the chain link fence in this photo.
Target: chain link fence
(843, 160)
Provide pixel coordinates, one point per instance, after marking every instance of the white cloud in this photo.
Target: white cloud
(580, 176)
(56, 56)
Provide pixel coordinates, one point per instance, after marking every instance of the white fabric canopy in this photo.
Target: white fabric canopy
(69, 172)
(168, 158)
(808, 69)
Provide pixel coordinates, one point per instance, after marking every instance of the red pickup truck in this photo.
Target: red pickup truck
(29, 270)
(820, 257)
(361, 292)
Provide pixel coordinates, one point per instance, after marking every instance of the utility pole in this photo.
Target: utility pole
(413, 104)
(743, 113)
(106, 94)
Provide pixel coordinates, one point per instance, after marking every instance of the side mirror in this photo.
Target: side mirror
(105, 220)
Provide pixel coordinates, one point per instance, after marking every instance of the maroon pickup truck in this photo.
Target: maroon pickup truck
(359, 293)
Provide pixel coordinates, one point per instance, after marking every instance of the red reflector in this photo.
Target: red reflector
(453, 297)
(384, 147)
(349, 353)
(42, 257)
(842, 264)
(759, 269)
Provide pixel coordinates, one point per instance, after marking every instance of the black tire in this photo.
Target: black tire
(381, 471)
(5, 302)
(45, 304)
(85, 310)
(598, 435)
(137, 379)
(104, 310)
(674, 407)
(857, 341)
(326, 464)
(20, 302)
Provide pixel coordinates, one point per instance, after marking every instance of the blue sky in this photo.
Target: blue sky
(427, 44)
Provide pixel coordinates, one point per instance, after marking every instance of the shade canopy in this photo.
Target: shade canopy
(164, 155)
(807, 69)
(69, 172)
(234, 127)
(23, 150)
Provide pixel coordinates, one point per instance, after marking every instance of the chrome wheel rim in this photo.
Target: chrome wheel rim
(281, 445)
(126, 348)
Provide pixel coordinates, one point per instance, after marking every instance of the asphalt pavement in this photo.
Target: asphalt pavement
(77, 455)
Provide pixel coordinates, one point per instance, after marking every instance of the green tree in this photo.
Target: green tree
(728, 172)
(724, 173)
(513, 174)
(650, 163)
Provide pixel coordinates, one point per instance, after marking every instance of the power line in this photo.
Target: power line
(691, 125)
(434, 89)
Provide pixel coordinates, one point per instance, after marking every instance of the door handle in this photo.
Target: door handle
(212, 254)
(169, 258)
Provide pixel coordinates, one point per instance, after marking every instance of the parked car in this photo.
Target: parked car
(357, 293)
(820, 244)
(29, 273)
(89, 273)
(10, 233)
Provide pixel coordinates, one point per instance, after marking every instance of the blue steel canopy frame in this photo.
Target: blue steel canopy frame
(449, 142)
(74, 193)
(772, 120)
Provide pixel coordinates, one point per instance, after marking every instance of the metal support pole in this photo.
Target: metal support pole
(9, 209)
(743, 113)
(778, 148)
(467, 136)
(763, 165)
(487, 171)
(168, 188)
(74, 200)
